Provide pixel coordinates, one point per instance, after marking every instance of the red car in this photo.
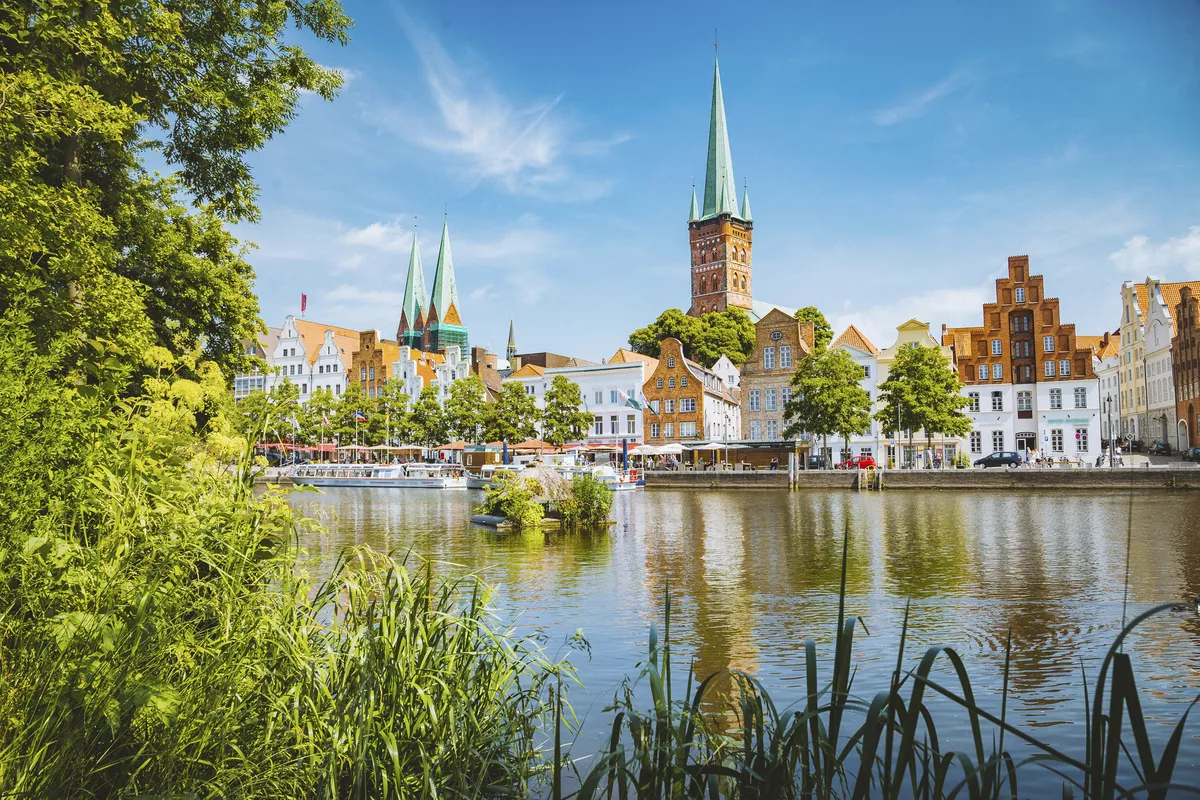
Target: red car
(857, 462)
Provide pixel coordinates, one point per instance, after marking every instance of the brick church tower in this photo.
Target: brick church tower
(721, 237)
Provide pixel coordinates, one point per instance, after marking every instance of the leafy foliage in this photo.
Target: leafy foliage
(514, 417)
(427, 424)
(158, 637)
(922, 392)
(827, 396)
(590, 502)
(822, 330)
(564, 418)
(91, 242)
(705, 339)
(466, 409)
(513, 497)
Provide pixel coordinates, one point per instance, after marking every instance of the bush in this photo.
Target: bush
(157, 637)
(594, 499)
(512, 497)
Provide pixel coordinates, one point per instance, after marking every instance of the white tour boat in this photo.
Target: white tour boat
(616, 480)
(383, 476)
(483, 480)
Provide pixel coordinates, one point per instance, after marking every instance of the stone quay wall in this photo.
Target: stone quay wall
(1074, 479)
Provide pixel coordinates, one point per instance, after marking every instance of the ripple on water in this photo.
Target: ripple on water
(753, 574)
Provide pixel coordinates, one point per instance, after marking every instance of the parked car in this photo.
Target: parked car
(857, 462)
(816, 462)
(1192, 454)
(1001, 458)
(1159, 449)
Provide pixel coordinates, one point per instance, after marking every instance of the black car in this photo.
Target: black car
(1002, 458)
(1191, 454)
(816, 462)
(1159, 449)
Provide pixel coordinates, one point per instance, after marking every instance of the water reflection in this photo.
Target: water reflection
(753, 574)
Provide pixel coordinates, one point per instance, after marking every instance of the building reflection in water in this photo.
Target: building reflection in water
(753, 574)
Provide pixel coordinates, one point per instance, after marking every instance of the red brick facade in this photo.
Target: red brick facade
(1024, 321)
(721, 270)
(1185, 355)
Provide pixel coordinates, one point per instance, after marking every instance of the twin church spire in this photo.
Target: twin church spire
(720, 188)
(432, 324)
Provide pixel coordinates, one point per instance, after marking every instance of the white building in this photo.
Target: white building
(728, 372)
(607, 390)
(866, 355)
(416, 369)
(309, 354)
(1107, 365)
(1160, 383)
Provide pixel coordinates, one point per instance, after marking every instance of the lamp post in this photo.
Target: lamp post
(1112, 442)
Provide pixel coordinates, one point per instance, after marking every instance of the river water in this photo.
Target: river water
(752, 574)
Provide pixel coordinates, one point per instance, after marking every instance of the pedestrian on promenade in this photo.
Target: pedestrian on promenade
(774, 463)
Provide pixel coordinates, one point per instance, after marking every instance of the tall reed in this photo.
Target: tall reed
(839, 743)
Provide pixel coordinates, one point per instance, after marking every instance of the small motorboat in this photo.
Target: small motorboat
(488, 472)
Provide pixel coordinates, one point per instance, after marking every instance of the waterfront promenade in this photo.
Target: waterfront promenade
(1151, 477)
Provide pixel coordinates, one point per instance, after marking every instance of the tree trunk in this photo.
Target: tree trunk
(825, 449)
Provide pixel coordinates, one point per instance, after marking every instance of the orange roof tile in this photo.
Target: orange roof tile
(1088, 343)
(623, 356)
(528, 371)
(312, 334)
(1170, 293)
(853, 337)
(961, 338)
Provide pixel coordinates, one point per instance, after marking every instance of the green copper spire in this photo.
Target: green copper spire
(720, 196)
(445, 292)
(746, 205)
(414, 299)
(694, 214)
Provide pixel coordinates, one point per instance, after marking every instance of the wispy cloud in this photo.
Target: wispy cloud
(1140, 256)
(525, 147)
(919, 104)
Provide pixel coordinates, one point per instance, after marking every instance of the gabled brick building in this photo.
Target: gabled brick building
(1030, 379)
(1185, 355)
(780, 341)
(687, 402)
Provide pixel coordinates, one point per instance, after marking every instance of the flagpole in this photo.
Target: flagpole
(355, 437)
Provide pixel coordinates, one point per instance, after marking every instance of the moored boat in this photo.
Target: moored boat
(382, 476)
(616, 480)
(488, 472)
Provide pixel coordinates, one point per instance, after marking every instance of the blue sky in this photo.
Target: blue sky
(896, 154)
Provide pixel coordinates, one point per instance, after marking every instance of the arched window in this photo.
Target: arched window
(743, 283)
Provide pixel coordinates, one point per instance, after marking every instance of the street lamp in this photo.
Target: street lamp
(1111, 441)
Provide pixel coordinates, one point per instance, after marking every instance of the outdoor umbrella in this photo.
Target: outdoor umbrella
(625, 454)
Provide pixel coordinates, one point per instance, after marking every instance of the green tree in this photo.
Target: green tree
(93, 244)
(389, 424)
(828, 397)
(922, 392)
(427, 421)
(321, 406)
(514, 417)
(705, 338)
(284, 405)
(564, 418)
(354, 399)
(466, 409)
(822, 330)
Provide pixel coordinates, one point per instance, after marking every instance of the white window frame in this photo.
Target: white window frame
(997, 372)
(687, 405)
(1056, 399)
(1081, 397)
(785, 356)
(1050, 369)
(1047, 344)
(1056, 440)
(997, 347)
(1019, 292)
(755, 400)
(983, 372)
(1064, 367)
(768, 358)
(769, 400)
(976, 441)
(997, 441)
(974, 398)
(997, 401)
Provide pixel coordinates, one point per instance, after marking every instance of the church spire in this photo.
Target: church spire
(445, 292)
(694, 214)
(511, 351)
(746, 204)
(720, 194)
(412, 311)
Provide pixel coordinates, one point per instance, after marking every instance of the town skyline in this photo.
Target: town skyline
(584, 189)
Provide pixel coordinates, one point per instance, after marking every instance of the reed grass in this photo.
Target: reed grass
(839, 743)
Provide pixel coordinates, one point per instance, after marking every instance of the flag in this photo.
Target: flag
(303, 302)
(324, 420)
(632, 402)
(359, 416)
(295, 423)
(646, 403)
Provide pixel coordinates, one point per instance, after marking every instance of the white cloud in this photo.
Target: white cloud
(1140, 257)
(952, 306)
(525, 147)
(919, 104)
(355, 306)
(390, 237)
